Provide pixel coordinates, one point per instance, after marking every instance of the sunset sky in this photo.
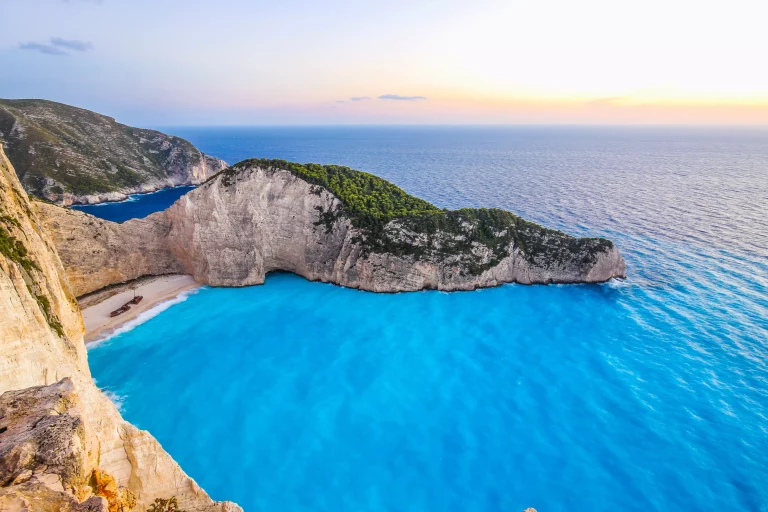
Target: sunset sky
(232, 62)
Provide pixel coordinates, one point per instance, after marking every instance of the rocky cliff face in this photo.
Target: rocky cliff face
(41, 342)
(100, 253)
(44, 450)
(255, 218)
(70, 155)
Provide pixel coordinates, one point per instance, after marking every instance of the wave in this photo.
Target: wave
(617, 284)
(142, 317)
(132, 198)
(116, 399)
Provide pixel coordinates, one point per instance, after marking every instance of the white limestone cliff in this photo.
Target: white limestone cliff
(41, 343)
(232, 231)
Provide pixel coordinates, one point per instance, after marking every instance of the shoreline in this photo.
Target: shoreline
(129, 197)
(96, 306)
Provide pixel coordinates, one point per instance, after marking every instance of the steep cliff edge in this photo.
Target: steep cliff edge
(44, 451)
(326, 223)
(71, 155)
(97, 253)
(41, 342)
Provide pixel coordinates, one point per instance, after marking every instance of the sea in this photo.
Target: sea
(648, 394)
(137, 206)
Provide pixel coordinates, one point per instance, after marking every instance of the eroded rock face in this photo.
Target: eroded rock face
(233, 235)
(99, 253)
(231, 231)
(40, 324)
(44, 454)
(238, 226)
(41, 342)
(43, 432)
(46, 495)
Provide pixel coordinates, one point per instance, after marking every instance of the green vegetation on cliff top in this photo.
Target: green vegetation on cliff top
(363, 194)
(371, 203)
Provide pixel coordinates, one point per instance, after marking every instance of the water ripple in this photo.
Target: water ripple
(647, 394)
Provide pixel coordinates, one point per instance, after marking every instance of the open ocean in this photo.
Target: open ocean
(644, 395)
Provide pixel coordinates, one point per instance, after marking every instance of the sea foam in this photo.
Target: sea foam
(142, 317)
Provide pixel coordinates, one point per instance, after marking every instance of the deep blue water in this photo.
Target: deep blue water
(650, 394)
(137, 206)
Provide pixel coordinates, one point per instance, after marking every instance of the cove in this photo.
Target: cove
(651, 394)
(310, 397)
(137, 206)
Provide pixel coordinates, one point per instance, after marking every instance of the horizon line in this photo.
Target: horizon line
(464, 125)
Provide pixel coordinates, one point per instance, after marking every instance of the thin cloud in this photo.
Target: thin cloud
(57, 46)
(360, 98)
(340, 101)
(71, 44)
(401, 98)
(43, 48)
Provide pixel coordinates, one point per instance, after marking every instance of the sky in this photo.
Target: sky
(287, 62)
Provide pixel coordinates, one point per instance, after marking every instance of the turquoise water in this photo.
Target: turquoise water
(649, 394)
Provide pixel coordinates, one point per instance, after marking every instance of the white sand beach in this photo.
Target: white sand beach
(97, 306)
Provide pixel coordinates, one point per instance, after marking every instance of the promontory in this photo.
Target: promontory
(327, 223)
(63, 443)
(71, 155)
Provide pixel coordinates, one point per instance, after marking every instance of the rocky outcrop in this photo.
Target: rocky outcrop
(253, 219)
(41, 342)
(106, 252)
(71, 155)
(237, 227)
(46, 494)
(43, 434)
(44, 452)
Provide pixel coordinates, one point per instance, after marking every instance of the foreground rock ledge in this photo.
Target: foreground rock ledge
(258, 216)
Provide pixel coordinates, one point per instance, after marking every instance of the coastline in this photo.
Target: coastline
(129, 197)
(96, 306)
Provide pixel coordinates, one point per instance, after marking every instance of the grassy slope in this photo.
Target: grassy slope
(81, 151)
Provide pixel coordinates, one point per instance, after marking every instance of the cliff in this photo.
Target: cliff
(98, 253)
(325, 223)
(44, 453)
(70, 155)
(60, 438)
(63, 444)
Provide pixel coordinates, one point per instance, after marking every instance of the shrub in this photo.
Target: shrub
(424, 230)
(162, 505)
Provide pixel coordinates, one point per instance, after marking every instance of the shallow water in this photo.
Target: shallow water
(650, 394)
